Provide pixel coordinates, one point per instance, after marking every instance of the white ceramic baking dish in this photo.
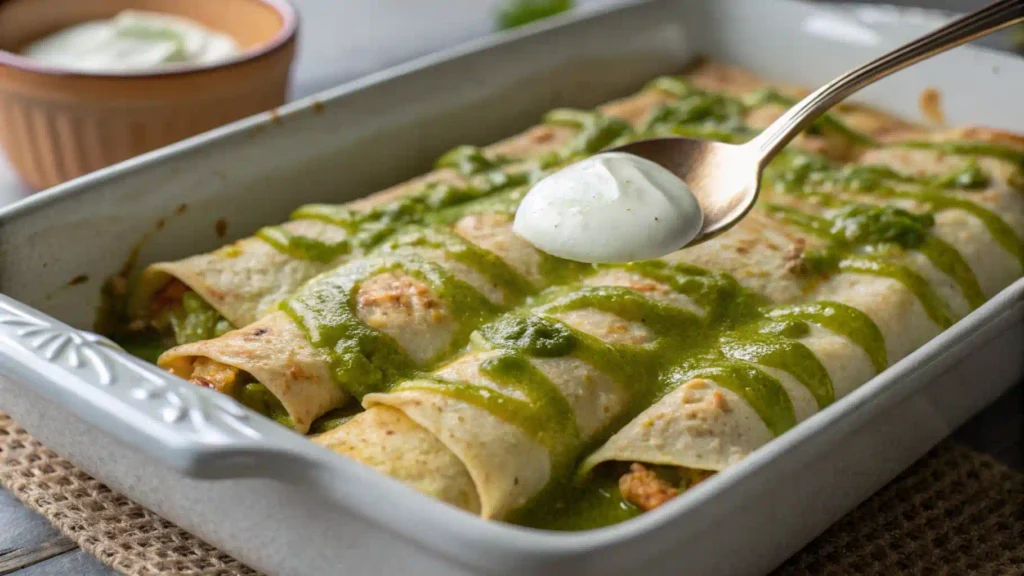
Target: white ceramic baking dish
(286, 506)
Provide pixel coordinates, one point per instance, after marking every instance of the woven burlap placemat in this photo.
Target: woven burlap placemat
(954, 512)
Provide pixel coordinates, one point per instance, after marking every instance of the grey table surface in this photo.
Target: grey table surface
(362, 36)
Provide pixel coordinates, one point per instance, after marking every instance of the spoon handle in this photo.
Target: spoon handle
(979, 23)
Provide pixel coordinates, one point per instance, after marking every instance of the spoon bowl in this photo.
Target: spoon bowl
(724, 178)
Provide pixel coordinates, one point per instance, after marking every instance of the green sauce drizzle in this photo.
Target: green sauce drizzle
(952, 264)
(630, 305)
(719, 345)
(330, 213)
(865, 224)
(879, 227)
(774, 351)
(634, 367)
(544, 414)
(497, 271)
(970, 177)
(726, 114)
(569, 506)
(801, 173)
(257, 397)
(827, 122)
(431, 204)
(984, 149)
(1001, 232)
(694, 108)
(840, 319)
(726, 302)
(363, 359)
(793, 171)
(596, 131)
(764, 394)
(469, 160)
(303, 247)
(534, 335)
(502, 202)
(195, 320)
(933, 304)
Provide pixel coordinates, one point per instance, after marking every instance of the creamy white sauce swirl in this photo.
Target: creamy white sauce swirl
(132, 41)
(611, 207)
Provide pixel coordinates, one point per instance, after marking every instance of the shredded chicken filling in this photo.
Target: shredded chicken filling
(647, 488)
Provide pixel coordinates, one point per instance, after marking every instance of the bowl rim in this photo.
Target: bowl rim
(285, 34)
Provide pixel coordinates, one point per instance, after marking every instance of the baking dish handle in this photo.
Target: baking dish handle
(193, 430)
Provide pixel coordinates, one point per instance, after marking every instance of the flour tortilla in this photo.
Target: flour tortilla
(467, 456)
(278, 354)
(243, 281)
(701, 424)
(687, 429)
(507, 465)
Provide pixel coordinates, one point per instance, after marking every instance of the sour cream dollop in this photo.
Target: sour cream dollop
(611, 207)
(133, 41)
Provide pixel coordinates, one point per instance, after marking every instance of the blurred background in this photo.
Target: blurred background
(341, 40)
(382, 32)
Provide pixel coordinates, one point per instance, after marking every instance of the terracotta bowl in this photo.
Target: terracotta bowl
(57, 124)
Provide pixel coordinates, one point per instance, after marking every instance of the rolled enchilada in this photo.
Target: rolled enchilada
(279, 372)
(206, 295)
(351, 330)
(689, 370)
(525, 388)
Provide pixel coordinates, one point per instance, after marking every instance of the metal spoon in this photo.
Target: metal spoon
(725, 178)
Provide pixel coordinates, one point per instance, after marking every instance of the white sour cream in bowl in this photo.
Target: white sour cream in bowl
(133, 41)
(611, 207)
